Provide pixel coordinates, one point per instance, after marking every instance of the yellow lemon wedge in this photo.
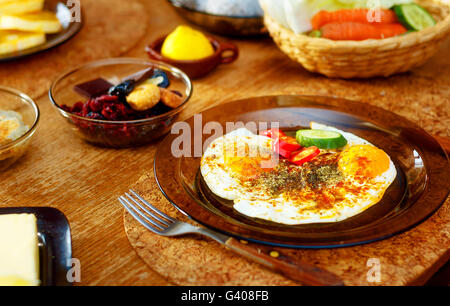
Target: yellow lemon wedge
(20, 6)
(44, 21)
(186, 43)
(13, 41)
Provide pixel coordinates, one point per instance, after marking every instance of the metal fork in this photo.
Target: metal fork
(159, 223)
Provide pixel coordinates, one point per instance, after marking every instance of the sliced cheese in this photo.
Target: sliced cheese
(21, 6)
(14, 281)
(19, 251)
(43, 22)
(13, 41)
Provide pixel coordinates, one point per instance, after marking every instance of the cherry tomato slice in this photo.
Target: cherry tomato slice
(289, 143)
(283, 144)
(272, 133)
(304, 156)
(279, 147)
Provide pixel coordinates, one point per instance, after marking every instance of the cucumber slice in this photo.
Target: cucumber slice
(315, 33)
(321, 139)
(414, 17)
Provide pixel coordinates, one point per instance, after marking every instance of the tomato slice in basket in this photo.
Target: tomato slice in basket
(304, 156)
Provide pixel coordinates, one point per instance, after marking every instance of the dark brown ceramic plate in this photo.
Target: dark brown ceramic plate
(55, 247)
(70, 29)
(421, 186)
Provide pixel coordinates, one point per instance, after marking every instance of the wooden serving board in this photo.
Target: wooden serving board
(410, 258)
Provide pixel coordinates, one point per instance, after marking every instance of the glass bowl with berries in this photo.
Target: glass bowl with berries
(121, 102)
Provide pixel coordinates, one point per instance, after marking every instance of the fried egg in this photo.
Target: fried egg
(336, 185)
(228, 160)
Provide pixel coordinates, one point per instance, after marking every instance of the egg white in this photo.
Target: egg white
(281, 209)
(218, 180)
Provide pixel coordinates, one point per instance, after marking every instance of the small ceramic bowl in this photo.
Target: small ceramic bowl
(197, 68)
(13, 100)
(117, 134)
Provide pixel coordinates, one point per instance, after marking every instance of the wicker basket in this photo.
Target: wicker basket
(369, 58)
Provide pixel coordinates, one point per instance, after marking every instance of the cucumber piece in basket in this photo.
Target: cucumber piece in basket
(414, 17)
(315, 33)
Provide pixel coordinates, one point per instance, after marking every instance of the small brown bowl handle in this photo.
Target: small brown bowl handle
(227, 47)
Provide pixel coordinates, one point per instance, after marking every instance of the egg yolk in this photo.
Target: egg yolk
(244, 161)
(246, 168)
(364, 160)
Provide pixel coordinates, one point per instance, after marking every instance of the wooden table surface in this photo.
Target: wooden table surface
(84, 181)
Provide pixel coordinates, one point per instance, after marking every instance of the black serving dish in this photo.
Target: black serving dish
(55, 247)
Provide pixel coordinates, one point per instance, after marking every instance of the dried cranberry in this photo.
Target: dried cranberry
(86, 109)
(108, 113)
(76, 108)
(107, 98)
(95, 105)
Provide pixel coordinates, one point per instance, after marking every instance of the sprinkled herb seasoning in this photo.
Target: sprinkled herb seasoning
(324, 175)
(284, 178)
(288, 177)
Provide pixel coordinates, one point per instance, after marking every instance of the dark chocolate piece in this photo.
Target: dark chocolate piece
(98, 87)
(94, 88)
(140, 76)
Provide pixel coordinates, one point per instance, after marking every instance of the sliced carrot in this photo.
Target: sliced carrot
(353, 15)
(361, 31)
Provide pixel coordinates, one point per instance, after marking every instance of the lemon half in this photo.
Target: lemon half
(186, 43)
